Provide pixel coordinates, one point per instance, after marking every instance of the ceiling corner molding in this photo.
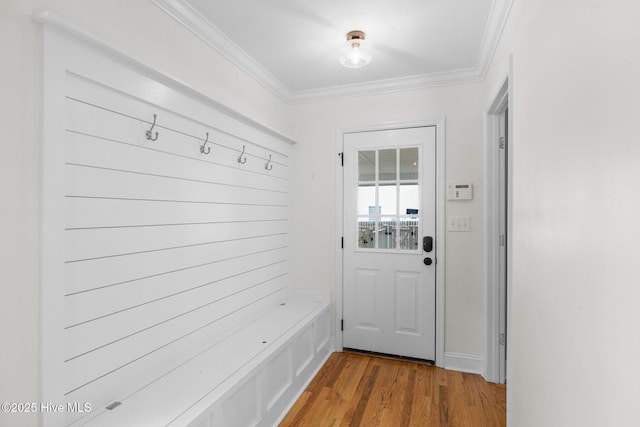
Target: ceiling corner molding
(400, 84)
(182, 12)
(492, 33)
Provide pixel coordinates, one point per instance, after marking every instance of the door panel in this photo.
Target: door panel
(389, 190)
(366, 298)
(407, 303)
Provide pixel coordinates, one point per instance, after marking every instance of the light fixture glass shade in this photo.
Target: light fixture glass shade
(356, 52)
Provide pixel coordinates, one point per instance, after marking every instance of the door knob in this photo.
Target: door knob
(427, 261)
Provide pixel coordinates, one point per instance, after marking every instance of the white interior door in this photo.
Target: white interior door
(389, 211)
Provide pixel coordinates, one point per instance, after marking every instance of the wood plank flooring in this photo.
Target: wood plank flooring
(359, 390)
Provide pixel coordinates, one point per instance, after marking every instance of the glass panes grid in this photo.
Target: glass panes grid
(389, 199)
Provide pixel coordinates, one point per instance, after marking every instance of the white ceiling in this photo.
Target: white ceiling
(292, 46)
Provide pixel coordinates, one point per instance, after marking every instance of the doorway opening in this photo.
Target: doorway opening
(497, 233)
(389, 209)
(372, 236)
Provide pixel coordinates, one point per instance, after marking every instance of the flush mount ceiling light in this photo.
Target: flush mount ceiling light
(356, 53)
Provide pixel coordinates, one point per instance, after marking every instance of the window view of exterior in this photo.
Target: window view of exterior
(389, 199)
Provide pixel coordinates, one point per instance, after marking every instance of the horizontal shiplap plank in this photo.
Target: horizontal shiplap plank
(113, 213)
(84, 245)
(116, 271)
(117, 156)
(105, 182)
(85, 306)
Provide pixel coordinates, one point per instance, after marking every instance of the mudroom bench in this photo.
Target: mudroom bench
(250, 379)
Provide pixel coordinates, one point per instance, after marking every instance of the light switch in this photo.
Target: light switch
(458, 223)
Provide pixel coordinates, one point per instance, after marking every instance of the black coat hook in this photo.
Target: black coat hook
(267, 166)
(149, 132)
(240, 159)
(205, 143)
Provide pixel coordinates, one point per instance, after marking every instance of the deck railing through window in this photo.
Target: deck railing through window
(391, 233)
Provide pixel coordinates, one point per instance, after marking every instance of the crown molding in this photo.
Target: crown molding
(182, 12)
(399, 84)
(186, 15)
(493, 31)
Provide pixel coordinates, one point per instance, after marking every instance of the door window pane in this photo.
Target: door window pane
(366, 166)
(409, 199)
(387, 165)
(366, 233)
(387, 199)
(409, 159)
(409, 237)
(387, 233)
(366, 198)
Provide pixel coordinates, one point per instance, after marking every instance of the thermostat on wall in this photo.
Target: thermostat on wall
(460, 192)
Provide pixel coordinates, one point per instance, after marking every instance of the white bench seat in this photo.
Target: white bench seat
(249, 379)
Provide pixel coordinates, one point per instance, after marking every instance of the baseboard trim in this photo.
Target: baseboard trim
(462, 362)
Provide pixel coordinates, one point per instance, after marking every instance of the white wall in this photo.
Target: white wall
(314, 205)
(574, 355)
(142, 31)
(19, 178)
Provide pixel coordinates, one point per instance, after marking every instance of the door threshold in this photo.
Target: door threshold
(389, 356)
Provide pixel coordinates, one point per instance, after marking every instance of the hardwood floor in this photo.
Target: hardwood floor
(359, 390)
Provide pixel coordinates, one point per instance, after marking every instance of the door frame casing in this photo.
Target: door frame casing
(495, 304)
(439, 123)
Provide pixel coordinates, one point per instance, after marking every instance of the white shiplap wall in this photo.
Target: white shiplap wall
(153, 251)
